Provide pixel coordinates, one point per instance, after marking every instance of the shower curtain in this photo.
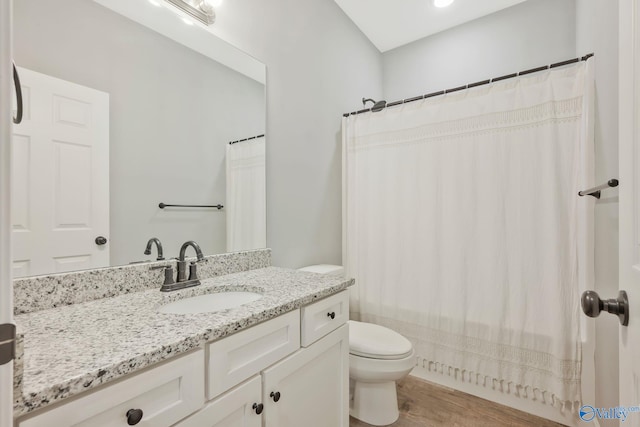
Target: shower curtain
(464, 231)
(246, 195)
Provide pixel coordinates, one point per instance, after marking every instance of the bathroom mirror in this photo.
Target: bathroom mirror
(177, 95)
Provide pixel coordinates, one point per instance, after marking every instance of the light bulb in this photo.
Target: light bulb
(442, 3)
(187, 21)
(207, 6)
(155, 3)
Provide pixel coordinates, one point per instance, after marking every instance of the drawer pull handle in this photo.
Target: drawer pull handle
(332, 315)
(258, 407)
(275, 396)
(134, 416)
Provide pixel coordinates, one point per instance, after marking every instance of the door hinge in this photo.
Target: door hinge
(7, 343)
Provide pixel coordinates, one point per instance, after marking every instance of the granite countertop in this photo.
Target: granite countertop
(75, 348)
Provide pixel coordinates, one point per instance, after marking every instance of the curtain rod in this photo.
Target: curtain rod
(246, 139)
(480, 83)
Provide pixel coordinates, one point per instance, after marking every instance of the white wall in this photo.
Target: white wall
(172, 112)
(597, 31)
(319, 66)
(530, 34)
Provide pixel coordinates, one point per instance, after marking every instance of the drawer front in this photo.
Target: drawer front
(234, 408)
(165, 394)
(233, 359)
(322, 317)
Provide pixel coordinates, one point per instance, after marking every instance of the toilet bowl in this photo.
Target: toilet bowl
(378, 357)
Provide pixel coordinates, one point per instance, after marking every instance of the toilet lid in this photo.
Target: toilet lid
(377, 342)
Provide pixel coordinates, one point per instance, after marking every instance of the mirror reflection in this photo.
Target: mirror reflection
(118, 119)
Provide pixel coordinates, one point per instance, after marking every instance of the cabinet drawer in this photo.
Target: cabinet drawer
(322, 317)
(240, 356)
(165, 394)
(233, 408)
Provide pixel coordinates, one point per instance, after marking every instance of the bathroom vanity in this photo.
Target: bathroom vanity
(281, 360)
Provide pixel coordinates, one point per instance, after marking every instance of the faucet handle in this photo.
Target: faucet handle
(193, 271)
(168, 275)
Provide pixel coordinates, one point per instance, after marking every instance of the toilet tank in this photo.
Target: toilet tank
(333, 270)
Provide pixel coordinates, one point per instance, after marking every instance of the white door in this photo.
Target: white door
(6, 294)
(630, 202)
(60, 177)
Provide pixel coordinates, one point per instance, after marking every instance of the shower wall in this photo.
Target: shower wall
(521, 37)
(524, 36)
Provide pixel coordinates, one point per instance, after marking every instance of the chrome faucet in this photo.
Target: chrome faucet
(155, 240)
(182, 264)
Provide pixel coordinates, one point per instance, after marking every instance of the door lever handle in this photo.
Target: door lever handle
(592, 305)
(16, 81)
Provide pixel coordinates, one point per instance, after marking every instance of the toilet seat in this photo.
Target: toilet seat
(377, 342)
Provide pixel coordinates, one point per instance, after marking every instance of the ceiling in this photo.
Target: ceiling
(393, 23)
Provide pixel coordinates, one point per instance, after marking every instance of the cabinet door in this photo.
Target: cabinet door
(233, 409)
(312, 384)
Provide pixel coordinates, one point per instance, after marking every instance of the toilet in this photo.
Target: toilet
(378, 357)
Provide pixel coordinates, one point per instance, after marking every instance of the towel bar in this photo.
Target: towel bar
(595, 191)
(164, 205)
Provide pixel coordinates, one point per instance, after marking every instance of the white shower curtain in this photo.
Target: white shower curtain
(246, 195)
(464, 230)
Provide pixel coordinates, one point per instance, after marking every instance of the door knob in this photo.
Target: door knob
(592, 305)
(101, 240)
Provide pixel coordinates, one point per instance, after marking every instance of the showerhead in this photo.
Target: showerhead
(377, 106)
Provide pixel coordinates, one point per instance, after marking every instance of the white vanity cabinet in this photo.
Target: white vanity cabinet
(307, 388)
(258, 377)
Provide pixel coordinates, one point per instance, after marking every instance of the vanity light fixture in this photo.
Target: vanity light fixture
(442, 3)
(202, 10)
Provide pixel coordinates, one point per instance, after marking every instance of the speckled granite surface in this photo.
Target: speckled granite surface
(57, 290)
(71, 349)
(18, 365)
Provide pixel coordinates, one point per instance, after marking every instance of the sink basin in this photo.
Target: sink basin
(209, 303)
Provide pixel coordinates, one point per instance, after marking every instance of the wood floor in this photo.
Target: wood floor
(423, 404)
